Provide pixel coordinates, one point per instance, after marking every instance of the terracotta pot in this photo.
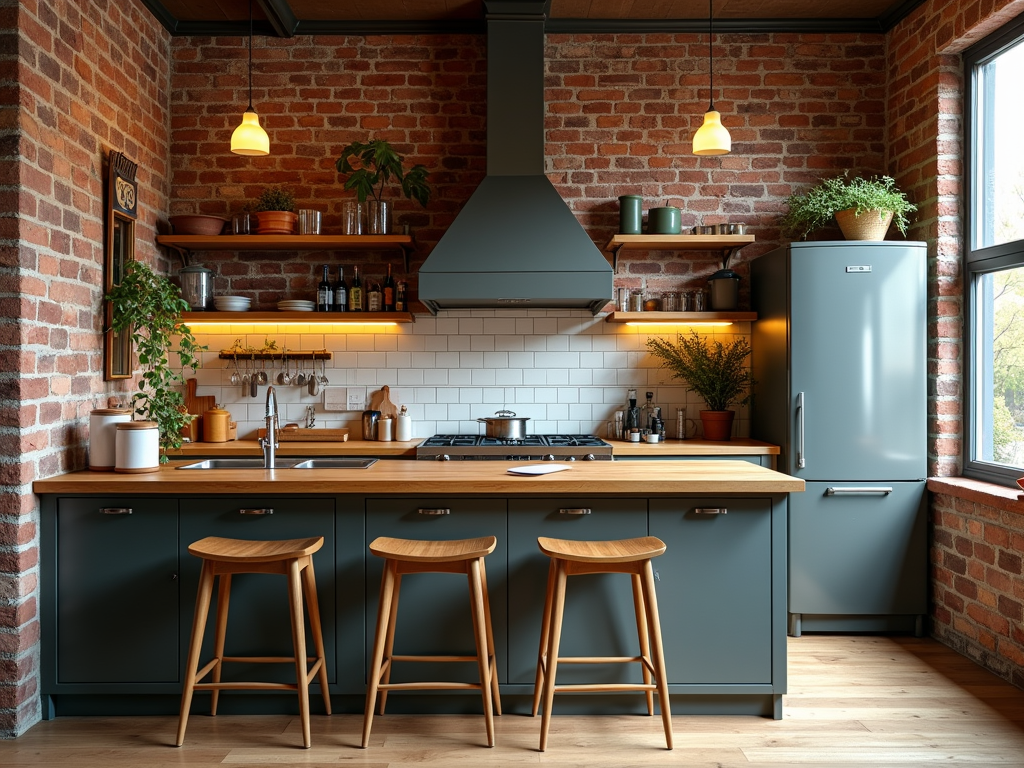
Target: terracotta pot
(870, 225)
(717, 424)
(276, 223)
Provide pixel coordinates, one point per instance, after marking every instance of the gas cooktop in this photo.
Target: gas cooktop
(531, 447)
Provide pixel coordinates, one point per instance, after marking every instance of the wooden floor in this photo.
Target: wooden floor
(853, 701)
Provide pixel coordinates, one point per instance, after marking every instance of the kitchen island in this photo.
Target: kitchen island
(118, 586)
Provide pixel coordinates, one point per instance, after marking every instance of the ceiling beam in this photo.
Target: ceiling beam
(280, 16)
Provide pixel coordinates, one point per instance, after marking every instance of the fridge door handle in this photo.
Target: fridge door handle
(801, 459)
(837, 491)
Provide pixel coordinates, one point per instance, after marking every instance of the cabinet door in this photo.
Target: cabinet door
(715, 589)
(117, 590)
(258, 616)
(599, 618)
(433, 611)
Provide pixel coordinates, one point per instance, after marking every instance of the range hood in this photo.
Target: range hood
(515, 244)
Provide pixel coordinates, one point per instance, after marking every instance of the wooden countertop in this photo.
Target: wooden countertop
(455, 477)
(299, 448)
(695, 447)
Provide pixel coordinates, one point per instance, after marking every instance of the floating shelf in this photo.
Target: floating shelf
(305, 318)
(185, 244)
(728, 244)
(291, 354)
(680, 318)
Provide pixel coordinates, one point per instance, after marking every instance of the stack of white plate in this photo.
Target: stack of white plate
(296, 305)
(232, 303)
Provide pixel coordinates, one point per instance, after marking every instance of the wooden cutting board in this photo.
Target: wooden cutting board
(381, 401)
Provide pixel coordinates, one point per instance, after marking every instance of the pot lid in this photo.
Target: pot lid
(724, 274)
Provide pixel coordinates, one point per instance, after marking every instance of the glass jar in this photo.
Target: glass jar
(670, 301)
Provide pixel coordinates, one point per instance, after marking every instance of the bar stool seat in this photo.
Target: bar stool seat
(224, 557)
(407, 556)
(571, 558)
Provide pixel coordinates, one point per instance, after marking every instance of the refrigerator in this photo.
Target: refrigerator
(840, 358)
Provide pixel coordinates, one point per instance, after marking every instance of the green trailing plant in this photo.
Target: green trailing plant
(715, 371)
(149, 306)
(370, 166)
(275, 199)
(817, 207)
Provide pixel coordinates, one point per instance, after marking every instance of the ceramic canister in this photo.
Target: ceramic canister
(137, 447)
(103, 435)
(630, 214)
(664, 221)
(215, 425)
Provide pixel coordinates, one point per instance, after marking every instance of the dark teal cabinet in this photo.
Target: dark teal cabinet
(116, 569)
(433, 611)
(599, 618)
(258, 618)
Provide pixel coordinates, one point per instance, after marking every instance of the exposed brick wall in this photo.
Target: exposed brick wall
(621, 111)
(79, 79)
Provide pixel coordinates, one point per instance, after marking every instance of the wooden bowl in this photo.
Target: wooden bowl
(197, 224)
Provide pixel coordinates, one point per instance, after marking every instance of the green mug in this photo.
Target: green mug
(664, 221)
(630, 214)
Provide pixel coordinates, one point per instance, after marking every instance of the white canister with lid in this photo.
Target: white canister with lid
(403, 426)
(103, 436)
(137, 447)
(384, 430)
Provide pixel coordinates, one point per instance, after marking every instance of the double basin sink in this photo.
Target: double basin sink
(321, 463)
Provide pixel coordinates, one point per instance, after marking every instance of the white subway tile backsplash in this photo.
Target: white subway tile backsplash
(535, 376)
(484, 377)
(460, 377)
(482, 343)
(437, 376)
(508, 376)
(435, 343)
(556, 343)
(460, 343)
(385, 343)
(471, 326)
(509, 343)
(581, 376)
(499, 325)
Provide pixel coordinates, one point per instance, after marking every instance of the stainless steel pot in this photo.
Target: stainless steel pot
(504, 426)
(196, 286)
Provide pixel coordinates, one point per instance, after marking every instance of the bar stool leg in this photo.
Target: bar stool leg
(195, 647)
(657, 649)
(558, 608)
(641, 630)
(299, 646)
(383, 610)
(316, 629)
(223, 602)
(476, 601)
(545, 630)
(490, 640)
(389, 643)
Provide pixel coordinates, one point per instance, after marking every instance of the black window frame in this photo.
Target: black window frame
(981, 261)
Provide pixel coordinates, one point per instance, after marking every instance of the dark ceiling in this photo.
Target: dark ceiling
(286, 18)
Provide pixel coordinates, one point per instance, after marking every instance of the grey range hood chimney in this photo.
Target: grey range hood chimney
(515, 244)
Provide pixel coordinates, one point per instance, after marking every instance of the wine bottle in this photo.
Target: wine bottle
(355, 293)
(400, 301)
(324, 293)
(373, 297)
(340, 292)
(388, 291)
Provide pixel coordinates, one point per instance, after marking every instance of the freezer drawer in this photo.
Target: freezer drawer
(856, 550)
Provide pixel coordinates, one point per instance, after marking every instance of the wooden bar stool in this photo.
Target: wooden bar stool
(224, 557)
(571, 558)
(402, 557)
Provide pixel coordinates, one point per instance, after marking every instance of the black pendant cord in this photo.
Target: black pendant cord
(250, 58)
(711, 55)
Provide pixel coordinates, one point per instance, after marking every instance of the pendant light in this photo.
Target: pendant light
(712, 138)
(249, 138)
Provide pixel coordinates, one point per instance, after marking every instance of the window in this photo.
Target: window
(994, 309)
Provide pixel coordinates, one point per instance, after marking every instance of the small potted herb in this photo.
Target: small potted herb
(714, 371)
(149, 307)
(862, 207)
(276, 212)
(369, 167)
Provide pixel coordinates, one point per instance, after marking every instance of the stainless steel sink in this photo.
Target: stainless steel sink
(237, 464)
(335, 463)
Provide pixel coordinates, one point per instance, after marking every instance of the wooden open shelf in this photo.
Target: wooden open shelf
(306, 318)
(186, 244)
(655, 318)
(727, 244)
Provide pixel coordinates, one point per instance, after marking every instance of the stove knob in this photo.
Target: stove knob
(443, 457)
(572, 458)
(590, 457)
(549, 457)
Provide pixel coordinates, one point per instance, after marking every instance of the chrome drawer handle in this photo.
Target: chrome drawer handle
(425, 511)
(256, 511)
(116, 510)
(836, 491)
(576, 511)
(710, 511)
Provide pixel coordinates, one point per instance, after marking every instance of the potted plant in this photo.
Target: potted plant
(276, 216)
(862, 207)
(714, 371)
(149, 307)
(369, 167)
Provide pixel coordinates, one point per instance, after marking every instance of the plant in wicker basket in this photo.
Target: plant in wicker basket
(862, 207)
(715, 371)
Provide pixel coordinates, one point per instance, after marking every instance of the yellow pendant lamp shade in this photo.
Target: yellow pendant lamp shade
(712, 138)
(249, 138)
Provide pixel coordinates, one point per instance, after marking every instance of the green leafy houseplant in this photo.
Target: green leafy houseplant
(817, 207)
(150, 307)
(370, 166)
(275, 199)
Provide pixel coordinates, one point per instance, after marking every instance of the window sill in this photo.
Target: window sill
(980, 492)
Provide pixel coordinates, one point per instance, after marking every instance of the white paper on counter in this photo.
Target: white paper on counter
(538, 469)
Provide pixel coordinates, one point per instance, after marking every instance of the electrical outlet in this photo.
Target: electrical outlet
(356, 398)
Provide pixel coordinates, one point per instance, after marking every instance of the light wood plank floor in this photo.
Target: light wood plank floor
(853, 701)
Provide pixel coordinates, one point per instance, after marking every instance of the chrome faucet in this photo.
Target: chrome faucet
(269, 441)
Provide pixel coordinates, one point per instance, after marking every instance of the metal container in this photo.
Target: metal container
(724, 289)
(504, 426)
(196, 286)
(370, 419)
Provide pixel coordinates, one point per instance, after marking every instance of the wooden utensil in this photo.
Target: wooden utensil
(381, 401)
(190, 395)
